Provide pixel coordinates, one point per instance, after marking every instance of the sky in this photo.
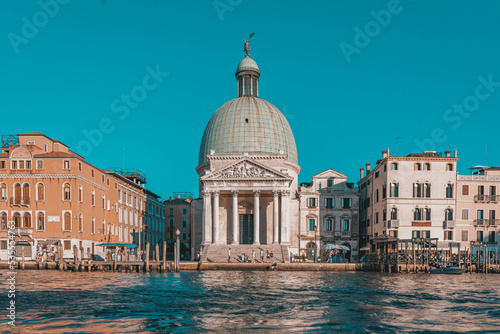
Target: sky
(133, 83)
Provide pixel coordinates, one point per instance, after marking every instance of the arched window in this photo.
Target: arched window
(394, 166)
(394, 214)
(329, 223)
(67, 221)
(394, 190)
(449, 167)
(27, 220)
(80, 193)
(17, 193)
(104, 227)
(427, 166)
(103, 202)
(67, 192)
(40, 192)
(346, 224)
(3, 192)
(3, 221)
(449, 190)
(93, 198)
(418, 166)
(41, 221)
(93, 225)
(17, 219)
(417, 214)
(448, 214)
(26, 193)
(427, 214)
(80, 222)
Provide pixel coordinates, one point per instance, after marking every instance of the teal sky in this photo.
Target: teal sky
(68, 75)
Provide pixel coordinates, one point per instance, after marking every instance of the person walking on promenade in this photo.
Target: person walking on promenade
(253, 256)
(271, 255)
(229, 255)
(261, 256)
(267, 255)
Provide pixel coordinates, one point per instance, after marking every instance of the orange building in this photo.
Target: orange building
(52, 194)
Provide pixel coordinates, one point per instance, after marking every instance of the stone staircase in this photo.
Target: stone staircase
(218, 253)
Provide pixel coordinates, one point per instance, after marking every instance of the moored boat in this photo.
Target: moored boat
(449, 270)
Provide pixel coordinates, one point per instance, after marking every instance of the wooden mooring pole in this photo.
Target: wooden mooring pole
(147, 257)
(22, 251)
(164, 267)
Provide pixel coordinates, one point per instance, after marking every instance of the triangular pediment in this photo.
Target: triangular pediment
(246, 169)
(330, 173)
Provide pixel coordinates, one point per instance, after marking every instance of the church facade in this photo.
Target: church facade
(248, 174)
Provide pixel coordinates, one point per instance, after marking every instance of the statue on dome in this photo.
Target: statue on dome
(246, 48)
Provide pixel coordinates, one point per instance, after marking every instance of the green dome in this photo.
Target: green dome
(248, 124)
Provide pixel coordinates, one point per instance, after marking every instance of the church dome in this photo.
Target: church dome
(247, 64)
(248, 124)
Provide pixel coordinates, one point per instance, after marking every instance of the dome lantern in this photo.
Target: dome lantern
(247, 74)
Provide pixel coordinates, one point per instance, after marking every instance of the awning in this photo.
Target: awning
(366, 248)
(118, 245)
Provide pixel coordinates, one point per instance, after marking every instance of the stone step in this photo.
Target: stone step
(219, 253)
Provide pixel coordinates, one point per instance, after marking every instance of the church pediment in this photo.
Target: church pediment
(246, 169)
(330, 173)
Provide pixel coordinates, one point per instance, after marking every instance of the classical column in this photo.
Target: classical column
(235, 218)
(285, 217)
(276, 218)
(216, 218)
(207, 217)
(256, 218)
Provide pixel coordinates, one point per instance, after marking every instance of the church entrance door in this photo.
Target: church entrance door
(246, 229)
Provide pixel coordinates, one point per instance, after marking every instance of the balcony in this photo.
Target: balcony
(23, 231)
(449, 224)
(392, 223)
(480, 222)
(14, 201)
(481, 198)
(494, 222)
(494, 198)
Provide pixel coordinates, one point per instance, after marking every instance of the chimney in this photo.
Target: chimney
(456, 156)
(385, 153)
(178, 195)
(361, 173)
(368, 168)
(447, 154)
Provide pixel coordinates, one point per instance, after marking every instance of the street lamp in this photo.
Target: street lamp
(178, 246)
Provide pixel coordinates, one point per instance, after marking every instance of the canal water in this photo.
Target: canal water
(260, 302)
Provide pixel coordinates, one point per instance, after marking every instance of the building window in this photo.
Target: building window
(107, 182)
(39, 164)
(93, 225)
(417, 214)
(394, 214)
(376, 218)
(346, 203)
(184, 223)
(465, 235)
(170, 211)
(67, 192)
(384, 191)
(80, 166)
(184, 212)
(311, 202)
(394, 166)
(421, 234)
(171, 223)
(465, 214)
(427, 166)
(376, 196)
(92, 172)
(448, 214)
(103, 202)
(480, 235)
(448, 235)
(427, 214)
(92, 198)
(65, 164)
(3, 192)
(491, 237)
(27, 220)
(377, 174)
(394, 189)
(184, 236)
(384, 215)
(3, 221)
(421, 190)
(312, 224)
(449, 190)
(465, 190)
(67, 244)
(329, 224)
(2, 164)
(3, 244)
(80, 193)
(67, 221)
(329, 183)
(17, 219)
(480, 214)
(40, 193)
(80, 223)
(345, 225)
(418, 166)
(449, 167)
(329, 202)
